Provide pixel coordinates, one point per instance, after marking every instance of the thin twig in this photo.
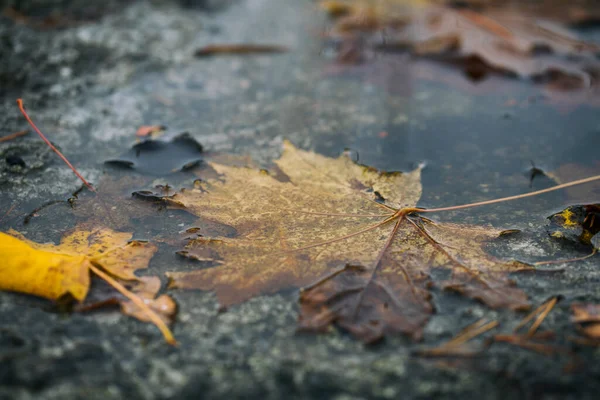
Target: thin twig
(35, 128)
(160, 324)
(13, 136)
(509, 198)
(593, 253)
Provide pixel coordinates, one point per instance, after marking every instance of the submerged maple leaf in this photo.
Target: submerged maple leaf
(336, 222)
(55, 271)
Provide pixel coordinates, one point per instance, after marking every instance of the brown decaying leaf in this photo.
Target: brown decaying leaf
(337, 223)
(494, 39)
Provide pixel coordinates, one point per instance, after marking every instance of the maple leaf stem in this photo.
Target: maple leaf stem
(367, 229)
(160, 324)
(54, 149)
(376, 264)
(503, 199)
(593, 253)
(327, 277)
(338, 215)
(452, 258)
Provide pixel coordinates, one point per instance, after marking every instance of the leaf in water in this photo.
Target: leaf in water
(579, 223)
(336, 222)
(481, 39)
(55, 271)
(158, 157)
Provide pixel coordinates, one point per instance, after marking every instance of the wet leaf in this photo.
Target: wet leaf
(159, 157)
(579, 223)
(334, 225)
(63, 271)
(480, 39)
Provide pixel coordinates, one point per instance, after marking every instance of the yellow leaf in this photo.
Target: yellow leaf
(41, 273)
(55, 271)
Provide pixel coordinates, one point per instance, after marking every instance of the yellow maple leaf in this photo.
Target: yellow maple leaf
(55, 271)
(350, 228)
